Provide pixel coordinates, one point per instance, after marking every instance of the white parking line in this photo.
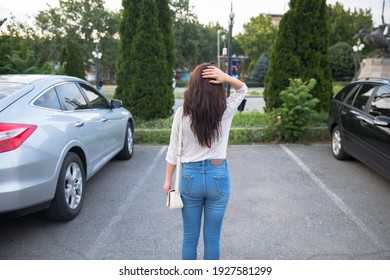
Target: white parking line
(338, 201)
(93, 252)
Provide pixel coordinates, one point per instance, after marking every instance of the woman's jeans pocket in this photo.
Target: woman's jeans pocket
(186, 184)
(222, 185)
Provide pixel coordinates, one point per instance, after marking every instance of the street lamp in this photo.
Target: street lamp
(357, 49)
(96, 55)
(224, 52)
(231, 22)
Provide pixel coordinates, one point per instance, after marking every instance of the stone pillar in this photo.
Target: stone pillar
(375, 67)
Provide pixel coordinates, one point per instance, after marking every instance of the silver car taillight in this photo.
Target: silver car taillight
(13, 135)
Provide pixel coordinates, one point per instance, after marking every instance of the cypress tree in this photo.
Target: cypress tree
(145, 68)
(301, 51)
(149, 89)
(166, 27)
(127, 29)
(72, 59)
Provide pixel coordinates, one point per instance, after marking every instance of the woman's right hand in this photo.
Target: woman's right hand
(217, 76)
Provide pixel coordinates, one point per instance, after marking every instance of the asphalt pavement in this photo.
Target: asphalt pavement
(288, 202)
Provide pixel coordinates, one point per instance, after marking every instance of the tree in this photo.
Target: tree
(301, 51)
(258, 37)
(166, 26)
(260, 71)
(341, 61)
(15, 56)
(72, 59)
(187, 34)
(19, 63)
(208, 45)
(345, 24)
(144, 80)
(127, 30)
(84, 21)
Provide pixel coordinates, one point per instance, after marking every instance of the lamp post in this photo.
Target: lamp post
(357, 50)
(231, 22)
(96, 55)
(218, 48)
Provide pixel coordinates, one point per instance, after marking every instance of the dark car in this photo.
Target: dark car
(359, 123)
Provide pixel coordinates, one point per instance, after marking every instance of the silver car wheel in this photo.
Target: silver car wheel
(336, 142)
(73, 185)
(130, 144)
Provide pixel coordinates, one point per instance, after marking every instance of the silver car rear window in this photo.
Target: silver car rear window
(7, 89)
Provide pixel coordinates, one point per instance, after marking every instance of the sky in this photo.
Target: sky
(208, 11)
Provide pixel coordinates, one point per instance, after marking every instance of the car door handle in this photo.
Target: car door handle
(363, 121)
(79, 124)
(104, 119)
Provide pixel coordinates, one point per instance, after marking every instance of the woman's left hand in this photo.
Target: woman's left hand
(167, 186)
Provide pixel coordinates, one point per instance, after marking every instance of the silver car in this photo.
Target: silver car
(55, 133)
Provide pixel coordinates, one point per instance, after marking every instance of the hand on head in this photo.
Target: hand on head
(216, 75)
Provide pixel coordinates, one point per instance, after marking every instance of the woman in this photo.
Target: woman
(205, 183)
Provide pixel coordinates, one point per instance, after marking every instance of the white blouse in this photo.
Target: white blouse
(192, 151)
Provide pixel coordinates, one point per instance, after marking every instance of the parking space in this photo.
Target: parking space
(288, 202)
(307, 205)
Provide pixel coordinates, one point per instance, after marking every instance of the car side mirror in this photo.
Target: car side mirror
(383, 121)
(115, 104)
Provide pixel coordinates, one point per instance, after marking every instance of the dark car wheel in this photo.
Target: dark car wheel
(337, 145)
(69, 196)
(128, 147)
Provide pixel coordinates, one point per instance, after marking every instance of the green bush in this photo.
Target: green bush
(297, 110)
(152, 136)
(260, 70)
(341, 61)
(252, 83)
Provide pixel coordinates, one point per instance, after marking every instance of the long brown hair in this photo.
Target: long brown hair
(205, 103)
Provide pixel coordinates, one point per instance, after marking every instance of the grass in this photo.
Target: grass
(109, 90)
(240, 120)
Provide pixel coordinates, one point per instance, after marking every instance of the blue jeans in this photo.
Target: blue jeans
(204, 187)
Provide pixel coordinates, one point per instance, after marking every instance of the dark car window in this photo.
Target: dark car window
(380, 105)
(342, 94)
(48, 100)
(95, 99)
(71, 97)
(360, 98)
